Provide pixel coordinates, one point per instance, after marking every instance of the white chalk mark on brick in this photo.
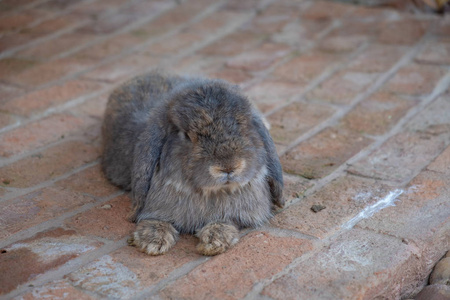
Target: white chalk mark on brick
(372, 209)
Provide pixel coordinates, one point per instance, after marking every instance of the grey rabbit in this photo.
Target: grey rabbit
(197, 158)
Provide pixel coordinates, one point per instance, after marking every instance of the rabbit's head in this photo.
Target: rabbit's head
(213, 137)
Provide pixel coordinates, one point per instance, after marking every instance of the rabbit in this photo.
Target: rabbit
(197, 158)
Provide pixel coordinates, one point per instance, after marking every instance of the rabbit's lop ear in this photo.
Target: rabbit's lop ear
(275, 172)
(146, 157)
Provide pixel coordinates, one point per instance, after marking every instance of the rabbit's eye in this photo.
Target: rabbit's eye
(184, 136)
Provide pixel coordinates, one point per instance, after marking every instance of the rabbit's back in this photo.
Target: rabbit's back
(127, 113)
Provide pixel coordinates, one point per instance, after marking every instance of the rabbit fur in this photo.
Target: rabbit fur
(197, 158)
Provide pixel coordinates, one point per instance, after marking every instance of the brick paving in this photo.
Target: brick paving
(359, 103)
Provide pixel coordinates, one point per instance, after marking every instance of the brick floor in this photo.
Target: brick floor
(359, 103)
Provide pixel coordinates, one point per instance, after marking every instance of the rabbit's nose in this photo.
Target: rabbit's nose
(227, 170)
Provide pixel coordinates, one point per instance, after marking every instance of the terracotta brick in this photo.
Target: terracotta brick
(435, 115)
(296, 119)
(122, 69)
(173, 45)
(57, 289)
(415, 79)
(300, 33)
(94, 10)
(8, 91)
(343, 87)
(342, 43)
(8, 5)
(40, 100)
(326, 10)
(257, 256)
(40, 133)
(127, 271)
(358, 264)
(404, 154)
(51, 48)
(90, 181)
(193, 34)
(435, 53)
(173, 18)
(16, 21)
(343, 199)
(6, 120)
(378, 58)
(242, 5)
(271, 93)
(47, 72)
(125, 16)
(12, 66)
(258, 59)
(56, 5)
(48, 164)
(233, 75)
(110, 47)
(304, 68)
(403, 32)
(198, 64)
(377, 114)
(443, 27)
(295, 187)
(421, 218)
(233, 44)
(441, 163)
(37, 207)
(52, 25)
(26, 259)
(323, 153)
(108, 220)
(272, 19)
(94, 107)
(10, 41)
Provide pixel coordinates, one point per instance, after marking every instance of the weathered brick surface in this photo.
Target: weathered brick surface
(243, 265)
(47, 50)
(369, 230)
(435, 53)
(295, 119)
(343, 87)
(107, 220)
(358, 264)
(48, 72)
(421, 218)
(270, 93)
(48, 164)
(441, 163)
(403, 32)
(321, 154)
(404, 154)
(415, 79)
(91, 181)
(378, 58)
(40, 133)
(40, 100)
(59, 289)
(122, 69)
(258, 59)
(342, 199)
(126, 272)
(26, 259)
(37, 207)
(304, 68)
(377, 114)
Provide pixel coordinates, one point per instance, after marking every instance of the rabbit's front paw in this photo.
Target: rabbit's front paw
(153, 237)
(216, 238)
